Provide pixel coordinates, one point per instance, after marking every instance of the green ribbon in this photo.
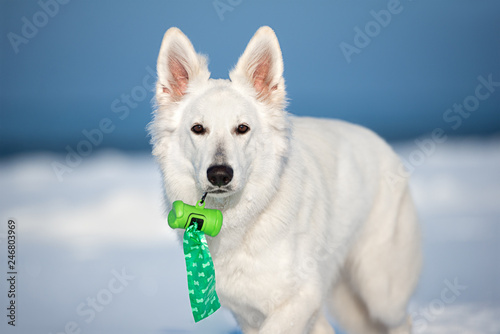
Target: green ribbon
(200, 274)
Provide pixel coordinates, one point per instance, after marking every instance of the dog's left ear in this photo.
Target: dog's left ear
(261, 66)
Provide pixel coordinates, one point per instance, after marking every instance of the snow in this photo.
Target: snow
(106, 219)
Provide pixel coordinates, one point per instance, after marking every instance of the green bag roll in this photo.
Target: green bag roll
(200, 274)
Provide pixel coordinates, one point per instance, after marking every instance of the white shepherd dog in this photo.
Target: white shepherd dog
(310, 215)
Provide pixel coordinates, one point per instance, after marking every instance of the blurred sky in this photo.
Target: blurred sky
(66, 67)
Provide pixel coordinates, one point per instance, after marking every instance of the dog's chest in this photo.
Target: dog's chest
(249, 282)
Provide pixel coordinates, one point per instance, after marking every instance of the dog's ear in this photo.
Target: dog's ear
(178, 66)
(261, 66)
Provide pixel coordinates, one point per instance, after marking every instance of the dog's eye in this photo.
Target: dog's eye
(198, 129)
(242, 128)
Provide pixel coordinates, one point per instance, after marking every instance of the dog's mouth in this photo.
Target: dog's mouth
(219, 191)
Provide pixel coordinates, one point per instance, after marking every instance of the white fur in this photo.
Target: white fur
(309, 217)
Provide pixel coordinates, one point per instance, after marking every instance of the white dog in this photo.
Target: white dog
(310, 218)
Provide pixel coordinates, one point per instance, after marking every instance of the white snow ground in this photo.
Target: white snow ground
(105, 221)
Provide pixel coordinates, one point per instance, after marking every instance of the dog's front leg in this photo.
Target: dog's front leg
(297, 315)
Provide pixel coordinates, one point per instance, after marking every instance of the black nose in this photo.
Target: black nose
(220, 175)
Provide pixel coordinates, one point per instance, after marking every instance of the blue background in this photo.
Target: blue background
(66, 78)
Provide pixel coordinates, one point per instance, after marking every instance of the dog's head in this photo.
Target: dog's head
(219, 136)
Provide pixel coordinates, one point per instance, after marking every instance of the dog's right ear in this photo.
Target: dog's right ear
(178, 67)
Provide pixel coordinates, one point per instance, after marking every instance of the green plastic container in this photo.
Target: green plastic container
(183, 215)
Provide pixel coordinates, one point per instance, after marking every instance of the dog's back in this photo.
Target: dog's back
(382, 262)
